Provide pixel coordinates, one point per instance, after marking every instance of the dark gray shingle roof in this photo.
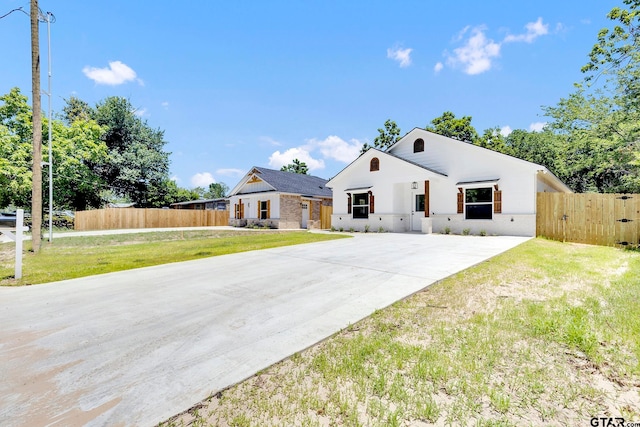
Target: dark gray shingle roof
(289, 182)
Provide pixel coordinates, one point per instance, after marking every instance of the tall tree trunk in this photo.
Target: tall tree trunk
(36, 192)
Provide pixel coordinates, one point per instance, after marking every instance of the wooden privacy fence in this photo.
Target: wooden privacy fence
(596, 219)
(110, 219)
(325, 217)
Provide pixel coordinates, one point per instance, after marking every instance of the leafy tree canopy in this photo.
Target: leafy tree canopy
(296, 167)
(457, 128)
(100, 154)
(217, 190)
(387, 136)
(77, 149)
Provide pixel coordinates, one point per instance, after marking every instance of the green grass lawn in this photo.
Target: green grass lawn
(71, 257)
(544, 334)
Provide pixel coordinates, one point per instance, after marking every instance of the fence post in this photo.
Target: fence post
(18, 238)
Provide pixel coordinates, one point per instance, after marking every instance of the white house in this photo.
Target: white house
(278, 199)
(428, 182)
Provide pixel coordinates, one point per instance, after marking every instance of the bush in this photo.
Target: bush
(466, 231)
(447, 230)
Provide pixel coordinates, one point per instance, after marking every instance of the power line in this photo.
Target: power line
(18, 9)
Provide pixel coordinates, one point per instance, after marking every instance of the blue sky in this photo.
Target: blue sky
(241, 83)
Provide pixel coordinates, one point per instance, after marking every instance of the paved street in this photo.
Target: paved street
(136, 347)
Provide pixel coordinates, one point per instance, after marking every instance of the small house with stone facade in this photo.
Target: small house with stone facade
(278, 199)
(427, 182)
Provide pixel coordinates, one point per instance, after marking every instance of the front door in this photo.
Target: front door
(305, 213)
(417, 211)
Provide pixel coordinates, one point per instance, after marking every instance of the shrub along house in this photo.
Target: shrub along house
(278, 199)
(427, 182)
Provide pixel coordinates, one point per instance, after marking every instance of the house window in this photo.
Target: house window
(374, 165)
(361, 205)
(239, 210)
(264, 210)
(478, 203)
(419, 202)
(418, 145)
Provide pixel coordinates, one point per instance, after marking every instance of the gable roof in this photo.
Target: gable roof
(286, 182)
(366, 156)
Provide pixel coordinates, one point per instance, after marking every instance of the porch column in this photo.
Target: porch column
(427, 212)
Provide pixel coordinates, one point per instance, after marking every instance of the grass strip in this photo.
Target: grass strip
(73, 257)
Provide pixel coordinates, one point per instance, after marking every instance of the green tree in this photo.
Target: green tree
(77, 149)
(217, 190)
(602, 142)
(616, 54)
(137, 161)
(15, 150)
(76, 109)
(296, 167)
(545, 148)
(387, 136)
(494, 140)
(168, 192)
(601, 118)
(457, 128)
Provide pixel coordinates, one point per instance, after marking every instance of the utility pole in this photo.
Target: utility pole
(36, 191)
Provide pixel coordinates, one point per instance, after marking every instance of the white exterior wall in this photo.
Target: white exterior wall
(500, 225)
(250, 202)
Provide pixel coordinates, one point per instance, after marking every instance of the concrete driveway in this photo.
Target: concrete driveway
(136, 347)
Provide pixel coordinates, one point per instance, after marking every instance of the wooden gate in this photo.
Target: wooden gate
(325, 217)
(592, 218)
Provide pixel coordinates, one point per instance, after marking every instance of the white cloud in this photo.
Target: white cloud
(116, 74)
(141, 112)
(278, 159)
(505, 130)
(165, 105)
(402, 56)
(477, 53)
(438, 67)
(231, 172)
(175, 178)
(336, 148)
(315, 151)
(537, 126)
(202, 179)
(270, 141)
(534, 30)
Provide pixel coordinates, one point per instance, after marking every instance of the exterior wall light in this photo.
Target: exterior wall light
(414, 185)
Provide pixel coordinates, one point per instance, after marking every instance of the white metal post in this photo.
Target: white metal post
(49, 15)
(19, 236)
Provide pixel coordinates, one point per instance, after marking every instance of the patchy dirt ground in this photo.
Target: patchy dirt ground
(518, 340)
